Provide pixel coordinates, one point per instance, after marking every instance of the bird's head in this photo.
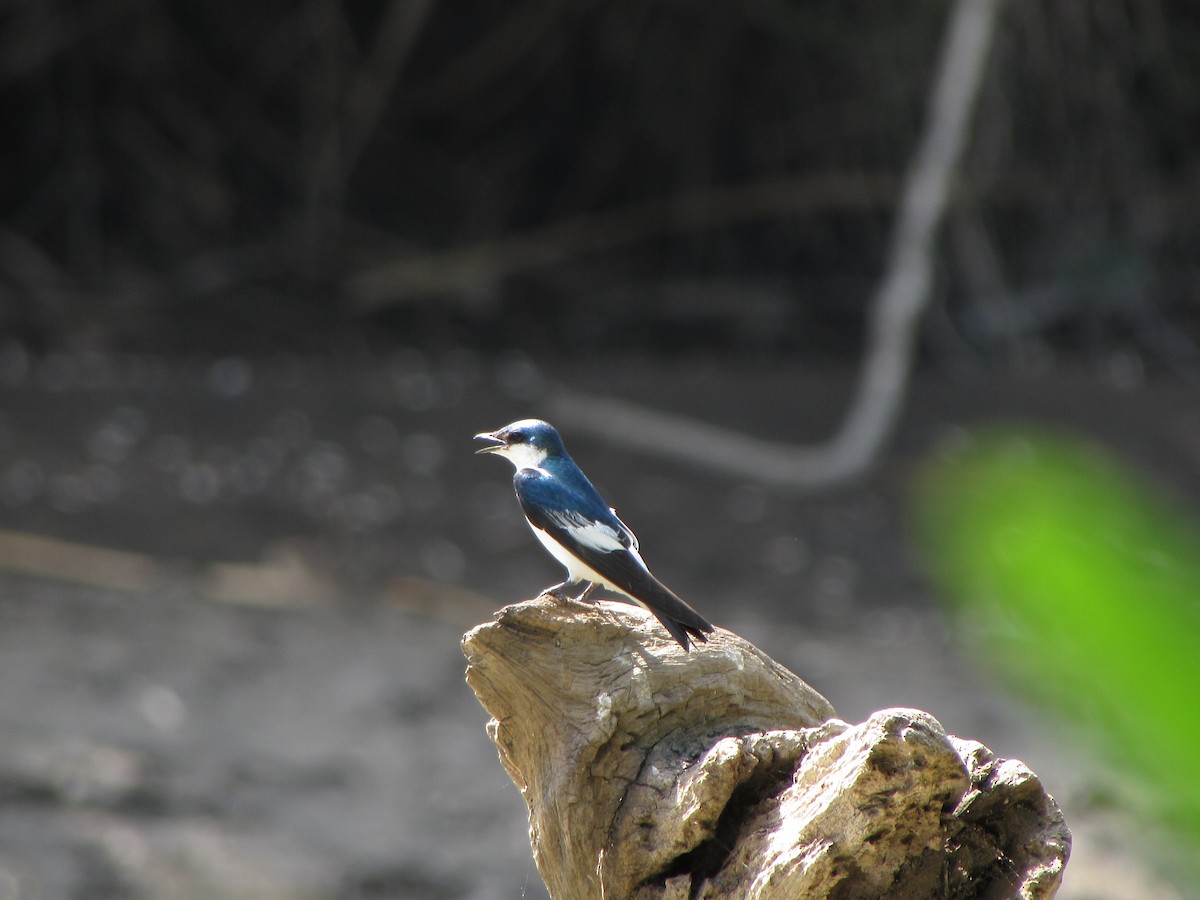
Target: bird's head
(526, 444)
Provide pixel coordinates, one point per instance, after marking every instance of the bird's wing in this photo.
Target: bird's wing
(629, 535)
(598, 545)
(591, 532)
(583, 524)
(576, 531)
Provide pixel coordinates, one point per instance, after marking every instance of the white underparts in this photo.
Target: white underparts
(578, 570)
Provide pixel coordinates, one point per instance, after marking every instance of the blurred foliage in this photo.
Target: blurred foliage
(196, 165)
(1084, 584)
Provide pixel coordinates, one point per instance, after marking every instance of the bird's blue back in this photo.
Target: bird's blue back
(567, 490)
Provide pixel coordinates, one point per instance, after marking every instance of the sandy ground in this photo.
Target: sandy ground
(233, 669)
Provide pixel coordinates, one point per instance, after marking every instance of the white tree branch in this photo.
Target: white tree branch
(895, 310)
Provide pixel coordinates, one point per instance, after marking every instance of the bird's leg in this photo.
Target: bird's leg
(559, 591)
(562, 592)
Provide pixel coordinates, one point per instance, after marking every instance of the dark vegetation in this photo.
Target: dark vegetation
(228, 175)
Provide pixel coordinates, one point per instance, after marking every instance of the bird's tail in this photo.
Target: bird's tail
(676, 616)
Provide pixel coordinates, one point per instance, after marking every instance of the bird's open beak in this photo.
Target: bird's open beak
(495, 443)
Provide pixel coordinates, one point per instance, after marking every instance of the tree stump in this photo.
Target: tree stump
(651, 772)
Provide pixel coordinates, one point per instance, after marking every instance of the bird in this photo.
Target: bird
(580, 530)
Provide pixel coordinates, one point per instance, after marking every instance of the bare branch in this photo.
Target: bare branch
(895, 310)
(469, 268)
(358, 115)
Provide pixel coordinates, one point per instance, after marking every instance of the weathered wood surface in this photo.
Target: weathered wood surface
(654, 773)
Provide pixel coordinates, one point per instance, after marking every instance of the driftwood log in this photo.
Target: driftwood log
(654, 773)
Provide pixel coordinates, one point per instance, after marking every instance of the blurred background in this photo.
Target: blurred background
(265, 268)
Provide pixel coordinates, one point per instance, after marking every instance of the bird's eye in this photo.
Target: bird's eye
(517, 437)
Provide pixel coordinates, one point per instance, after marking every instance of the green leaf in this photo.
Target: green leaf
(1085, 587)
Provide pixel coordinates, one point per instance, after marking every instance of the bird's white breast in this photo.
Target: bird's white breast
(575, 569)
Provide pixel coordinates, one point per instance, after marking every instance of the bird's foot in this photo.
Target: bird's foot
(558, 591)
